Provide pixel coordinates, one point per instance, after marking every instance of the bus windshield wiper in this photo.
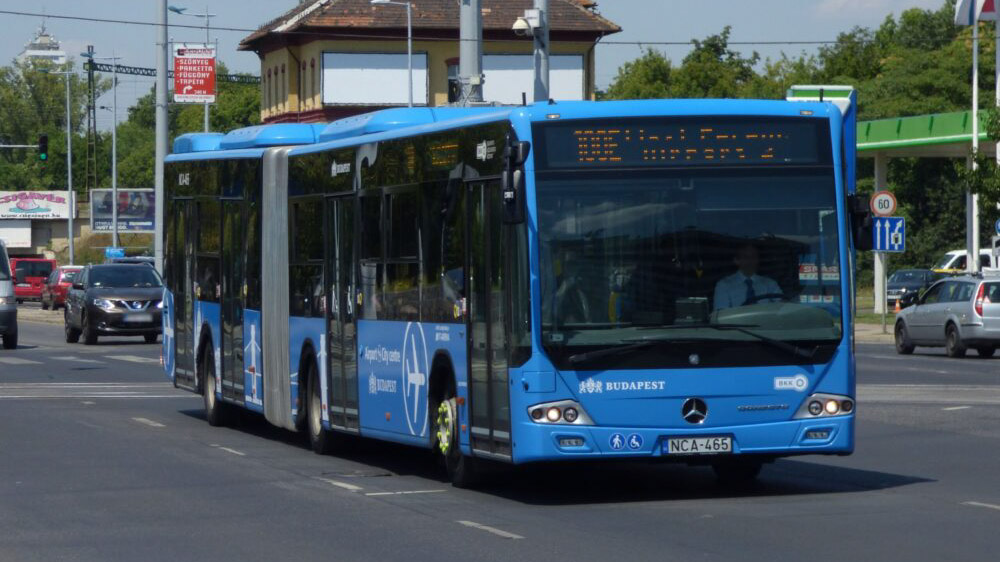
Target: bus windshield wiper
(743, 329)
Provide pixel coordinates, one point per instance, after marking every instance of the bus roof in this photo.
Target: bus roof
(250, 142)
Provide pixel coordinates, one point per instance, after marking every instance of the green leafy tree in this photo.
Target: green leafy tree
(647, 77)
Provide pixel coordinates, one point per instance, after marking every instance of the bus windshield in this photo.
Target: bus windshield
(697, 258)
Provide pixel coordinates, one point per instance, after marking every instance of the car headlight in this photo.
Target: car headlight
(159, 305)
(104, 304)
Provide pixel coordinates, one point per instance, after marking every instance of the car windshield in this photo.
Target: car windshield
(69, 275)
(944, 262)
(907, 277)
(124, 277)
(645, 254)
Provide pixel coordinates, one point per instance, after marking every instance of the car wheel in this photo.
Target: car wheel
(986, 351)
(150, 338)
(72, 334)
(321, 440)
(89, 332)
(10, 339)
(903, 344)
(953, 345)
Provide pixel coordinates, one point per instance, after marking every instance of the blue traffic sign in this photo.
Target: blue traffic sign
(997, 227)
(890, 234)
(111, 252)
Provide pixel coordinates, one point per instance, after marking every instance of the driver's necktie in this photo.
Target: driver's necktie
(750, 294)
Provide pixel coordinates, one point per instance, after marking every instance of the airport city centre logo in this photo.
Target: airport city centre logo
(415, 375)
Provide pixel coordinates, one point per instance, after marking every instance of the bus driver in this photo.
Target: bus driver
(745, 286)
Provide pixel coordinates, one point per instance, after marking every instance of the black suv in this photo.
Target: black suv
(114, 299)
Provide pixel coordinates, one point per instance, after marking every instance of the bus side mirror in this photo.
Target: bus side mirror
(862, 224)
(512, 188)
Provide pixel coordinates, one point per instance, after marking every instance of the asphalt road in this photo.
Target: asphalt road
(101, 459)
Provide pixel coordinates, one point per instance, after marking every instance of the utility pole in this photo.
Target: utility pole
(91, 122)
(69, 170)
(161, 131)
(470, 62)
(114, 154)
(541, 35)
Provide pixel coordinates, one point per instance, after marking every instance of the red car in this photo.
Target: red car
(30, 275)
(55, 289)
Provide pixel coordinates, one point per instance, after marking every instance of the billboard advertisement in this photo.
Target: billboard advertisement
(136, 210)
(194, 73)
(34, 205)
(16, 233)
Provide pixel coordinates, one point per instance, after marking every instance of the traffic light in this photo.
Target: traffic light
(43, 147)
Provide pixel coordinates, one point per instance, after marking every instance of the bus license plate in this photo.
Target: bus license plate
(712, 445)
(139, 317)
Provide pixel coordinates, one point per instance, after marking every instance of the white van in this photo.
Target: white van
(955, 262)
(8, 306)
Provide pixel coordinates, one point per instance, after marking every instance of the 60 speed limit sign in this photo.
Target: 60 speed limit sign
(883, 203)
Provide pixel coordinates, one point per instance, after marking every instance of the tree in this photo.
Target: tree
(644, 78)
(713, 70)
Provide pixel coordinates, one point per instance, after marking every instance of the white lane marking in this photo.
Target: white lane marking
(76, 359)
(18, 361)
(88, 402)
(133, 358)
(953, 408)
(344, 485)
(228, 450)
(404, 493)
(981, 504)
(488, 529)
(149, 422)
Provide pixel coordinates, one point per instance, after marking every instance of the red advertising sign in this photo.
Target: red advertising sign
(194, 73)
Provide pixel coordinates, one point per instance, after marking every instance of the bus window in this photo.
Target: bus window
(371, 257)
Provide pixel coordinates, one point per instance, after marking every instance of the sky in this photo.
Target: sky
(641, 20)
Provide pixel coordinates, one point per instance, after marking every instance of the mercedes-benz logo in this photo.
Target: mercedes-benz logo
(694, 410)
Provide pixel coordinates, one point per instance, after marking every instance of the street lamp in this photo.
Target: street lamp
(69, 162)
(181, 11)
(409, 42)
(114, 143)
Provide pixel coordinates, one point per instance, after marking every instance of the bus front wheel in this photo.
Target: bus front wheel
(462, 470)
(215, 412)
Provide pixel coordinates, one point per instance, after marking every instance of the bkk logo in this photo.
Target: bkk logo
(798, 383)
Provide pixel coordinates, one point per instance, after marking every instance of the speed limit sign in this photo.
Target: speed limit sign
(883, 203)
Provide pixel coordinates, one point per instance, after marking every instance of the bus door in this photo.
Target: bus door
(341, 344)
(489, 392)
(182, 273)
(233, 292)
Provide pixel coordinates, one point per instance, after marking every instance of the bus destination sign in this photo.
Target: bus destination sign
(683, 142)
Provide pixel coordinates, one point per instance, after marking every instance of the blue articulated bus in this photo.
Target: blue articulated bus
(661, 279)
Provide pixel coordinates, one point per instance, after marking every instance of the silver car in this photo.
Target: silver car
(957, 313)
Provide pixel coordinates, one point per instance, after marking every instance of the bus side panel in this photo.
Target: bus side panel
(394, 362)
(302, 331)
(253, 379)
(208, 315)
(169, 344)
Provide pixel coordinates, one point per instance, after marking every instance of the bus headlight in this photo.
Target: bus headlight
(563, 412)
(6, 300)
(825, 405)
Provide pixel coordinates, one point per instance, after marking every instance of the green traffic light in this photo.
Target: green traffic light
(43, 156)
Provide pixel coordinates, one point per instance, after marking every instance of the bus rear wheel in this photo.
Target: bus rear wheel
(463, 471)
(215, 411)
(321, 440)
(737, 472)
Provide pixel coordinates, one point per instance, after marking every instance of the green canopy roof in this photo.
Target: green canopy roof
(935, 135)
